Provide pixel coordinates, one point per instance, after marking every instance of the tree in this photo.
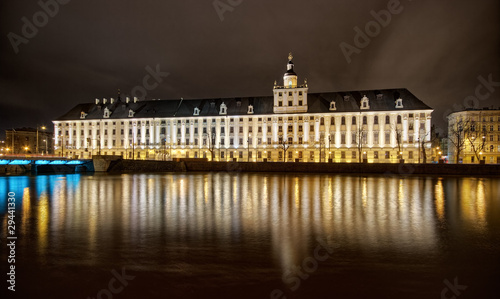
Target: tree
(423, 140)
(210, 136)
(456, 136)
(398, 132)
(476, 137)
(360, 140)
(283, 143)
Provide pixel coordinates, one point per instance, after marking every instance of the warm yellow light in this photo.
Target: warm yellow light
(43, 127)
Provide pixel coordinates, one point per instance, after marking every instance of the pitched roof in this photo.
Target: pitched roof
(349, 101)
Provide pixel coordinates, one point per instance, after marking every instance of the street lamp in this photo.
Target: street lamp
(45, 140)
(26, 149)
(37, 127)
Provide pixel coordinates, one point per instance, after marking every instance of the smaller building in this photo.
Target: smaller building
(29, 141)
(474, 136)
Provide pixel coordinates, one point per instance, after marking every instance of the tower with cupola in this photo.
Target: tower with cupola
(291, 97)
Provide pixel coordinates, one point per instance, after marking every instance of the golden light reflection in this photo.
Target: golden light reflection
(439, 199)
(43, 222)
(287, 211)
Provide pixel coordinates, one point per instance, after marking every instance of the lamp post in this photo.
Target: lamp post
(45, 140)
(248, 147)
(12, 135)
(329, 146)
(37, 127)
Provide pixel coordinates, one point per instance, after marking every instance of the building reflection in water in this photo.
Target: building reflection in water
(90, 218)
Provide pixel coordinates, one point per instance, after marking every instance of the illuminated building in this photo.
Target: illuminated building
(290, 125)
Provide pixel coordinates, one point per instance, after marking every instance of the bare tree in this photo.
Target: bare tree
(456, 136)
(360, 140)
(283, 143)
(476, 137)
(423, 140)
(211, 142)
(398, 131)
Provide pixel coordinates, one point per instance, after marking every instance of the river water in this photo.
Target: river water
(239, 235)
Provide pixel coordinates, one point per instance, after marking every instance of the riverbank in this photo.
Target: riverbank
(129, 166)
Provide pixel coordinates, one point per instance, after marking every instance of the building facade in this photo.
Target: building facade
(30, 141)
(291, 125)
(474, 136)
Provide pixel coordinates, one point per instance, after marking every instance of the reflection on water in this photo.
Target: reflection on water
(87, 220)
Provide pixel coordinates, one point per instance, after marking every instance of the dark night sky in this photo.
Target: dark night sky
(90, 49)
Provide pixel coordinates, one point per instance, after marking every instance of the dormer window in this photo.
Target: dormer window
(238, 103)
(250, 109)
(131, 113)
(399, 103)
(332, 106)
(379, 96)
(106, 113)
(346, 98)
(83, 115)
(223, 109)
(365, 104)
(196, 111)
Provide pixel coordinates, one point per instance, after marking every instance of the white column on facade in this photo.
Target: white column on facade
(217, 133)
(369, 137)
(393, 130)
(348, 125)
(275, 130)
(338, 120)
(316, 130)
(428, 127)
(191, 132)
(295, 130)
(306, 129)
(381, 134)
(405, 128)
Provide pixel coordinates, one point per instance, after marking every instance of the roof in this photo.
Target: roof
(349, 101)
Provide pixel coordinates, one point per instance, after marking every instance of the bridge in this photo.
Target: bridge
(45, 164)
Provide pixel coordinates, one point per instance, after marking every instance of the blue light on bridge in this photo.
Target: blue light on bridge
(4, 162)
(42, 162)
(75, 162)
(20, 162)
(58, 162)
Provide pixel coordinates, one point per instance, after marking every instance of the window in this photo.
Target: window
(290, 103)
(342, 155)
(387, 154)
(241, 130)
(332, 121)
(342, 121)
(196, 111)
(399, 103)
(280, 103)
(223, 109)
(311, 155)
(332, 106)
(399, 119)
(354, 155)
(375, 120)
(354, 120)
(250, 109)
(322, 121)
(231, 130)
(375, 155)
(387, 120)
(410, 155)
(365, 121)
(300, 128)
